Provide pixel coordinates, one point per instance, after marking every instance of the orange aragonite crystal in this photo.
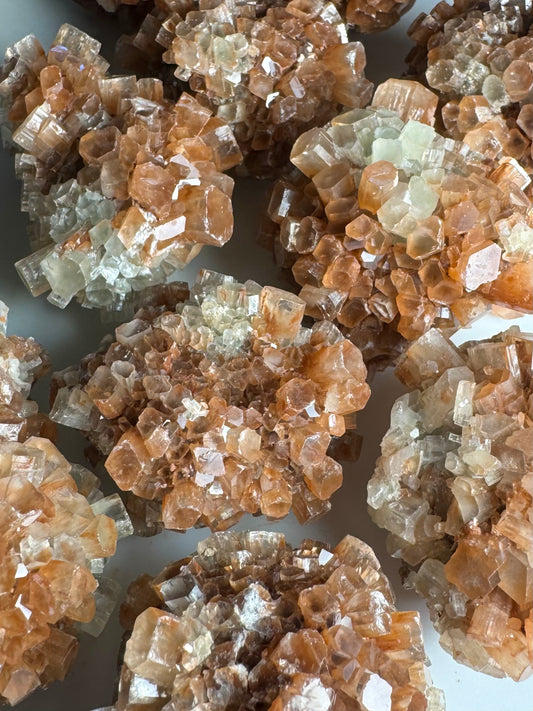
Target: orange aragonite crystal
(373, 15)
(122, 186)
(271, 70)
(220, 405)
(479, 57)
(393, 229)
(56, 529)
(453, 487)
(249, 622)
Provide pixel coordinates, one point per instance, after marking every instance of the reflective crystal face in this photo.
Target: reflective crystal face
(220, 405)
(393, 229)
(478, 56)
(249, 622)
(271, 69)
(453, 487)
(122, 186)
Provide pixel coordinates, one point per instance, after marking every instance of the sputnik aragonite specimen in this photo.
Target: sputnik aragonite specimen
(479, 57)
(122, 187)
(220, 405)
(56, 529)
(271, 70)
(22, 361)
(249, 622)
(392, 228)
(454, 489)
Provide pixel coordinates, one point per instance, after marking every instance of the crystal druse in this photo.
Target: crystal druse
(122, 186)
(478, 56)
(270, 69)
(219, 405)
(454, 489)
(390, 228)
(249, 622)
(56, 529)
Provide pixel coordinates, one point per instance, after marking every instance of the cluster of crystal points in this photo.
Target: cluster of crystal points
(56, 529)
(122, 186)
(22, 361)
(270, 69)
(373, 15)
(393, 229)
(454, 489)
(478, 55)
(220, 405)
(249, 622)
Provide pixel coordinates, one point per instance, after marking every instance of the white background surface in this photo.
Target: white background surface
(70, 334)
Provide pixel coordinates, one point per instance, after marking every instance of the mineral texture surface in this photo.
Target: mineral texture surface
(22, 361)
(270, 69)
(220, 405)
(390, 229)
(479, 56)
(454, 489)
(122, 187)
(373, 15)
(249, 622)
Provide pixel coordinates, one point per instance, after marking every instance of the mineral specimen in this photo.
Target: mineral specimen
(478, 55)
(271, 69)
(220, 405)
(56, 529)
(122, 186)
(373, 15)
(22, 361)
(454, 489)
(392, 228)
(249, 622)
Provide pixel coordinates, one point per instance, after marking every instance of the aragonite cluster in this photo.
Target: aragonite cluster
(22, 361)
(122, 187)
(271, 69)
(454, 489)
(391, 229)
(479, 56)
(56, 529)
(220, 405)
(249, 622)
(373, 15)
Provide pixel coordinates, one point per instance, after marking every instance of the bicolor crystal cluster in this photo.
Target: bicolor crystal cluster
(122, 187)
(454, 489)
(271, 69)
(22, 361)
(373, 15)
(249, 622)
(220, 406)
(56, 530)
(392, 228)
(479, 57)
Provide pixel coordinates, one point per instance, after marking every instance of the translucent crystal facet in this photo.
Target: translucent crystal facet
(453, 489)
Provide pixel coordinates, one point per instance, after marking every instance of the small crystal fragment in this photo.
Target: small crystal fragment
(453, 489)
